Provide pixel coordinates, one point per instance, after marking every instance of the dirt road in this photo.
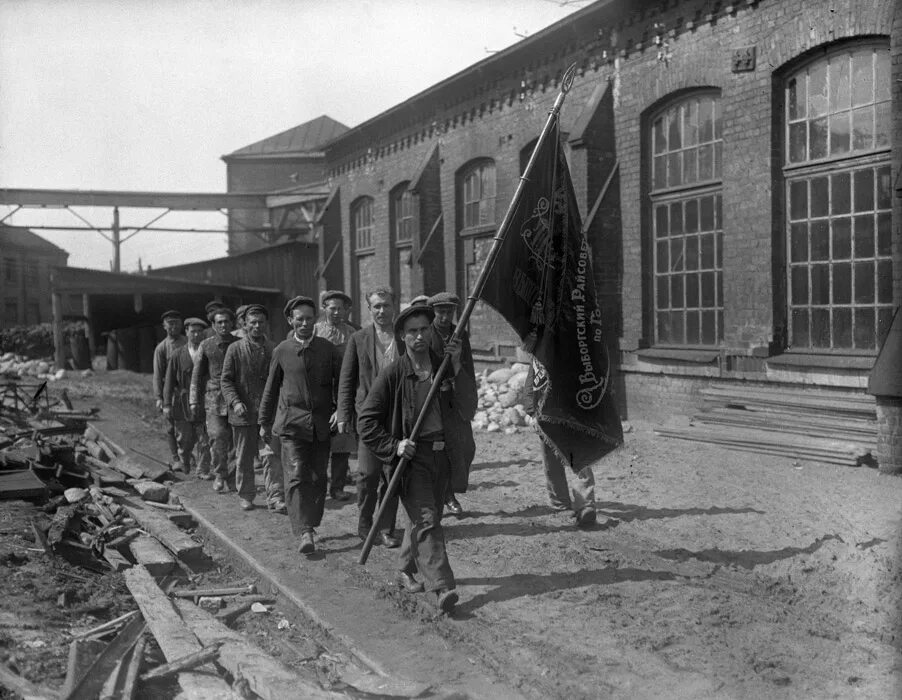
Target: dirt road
(719, 574)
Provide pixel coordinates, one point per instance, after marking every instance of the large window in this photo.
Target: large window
(687, 221)
(478, 195)
(402, 214)
(362, 223)
(838, 190)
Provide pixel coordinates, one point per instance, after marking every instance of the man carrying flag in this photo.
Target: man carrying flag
(544, 287)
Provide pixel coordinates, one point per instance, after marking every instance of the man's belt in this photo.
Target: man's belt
(434, 445)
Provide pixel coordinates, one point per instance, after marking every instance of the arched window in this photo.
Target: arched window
(838, 192)
(477, 195)
(362, 223)
(687, 221)
(402, 220)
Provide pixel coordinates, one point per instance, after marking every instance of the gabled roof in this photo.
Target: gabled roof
(23, 239)
(308, 138)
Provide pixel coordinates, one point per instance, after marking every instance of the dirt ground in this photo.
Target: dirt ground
(717, 574)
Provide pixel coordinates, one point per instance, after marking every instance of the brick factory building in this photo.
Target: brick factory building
(26, 261)
(734, 163)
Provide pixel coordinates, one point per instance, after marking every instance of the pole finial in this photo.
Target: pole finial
(567, 80)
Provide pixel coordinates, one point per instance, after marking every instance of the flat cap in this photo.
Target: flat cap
(171, 314)
(412, 310)
(444, 298)
(240, 311)
(334, 294)
(256, 309)
(210, 305)
(222, 309)
(194, 321)
(419, 300)
(299, 301)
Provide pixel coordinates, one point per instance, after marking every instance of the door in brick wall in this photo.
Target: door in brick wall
(488, 329)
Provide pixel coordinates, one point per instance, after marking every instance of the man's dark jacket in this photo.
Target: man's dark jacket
(244, 373)
(177, 386)
(358, 372)
(205, 382)
(390, 411)
(301, 389)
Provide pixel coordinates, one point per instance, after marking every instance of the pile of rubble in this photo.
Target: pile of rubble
(12, 365)
(502, 400)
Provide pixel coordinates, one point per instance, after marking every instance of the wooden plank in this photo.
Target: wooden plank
(267, 677)
(168, 533)
(23, 686)
(174, 638)
(132, 463)
(21, 483)
(95, 676)
(154, 556)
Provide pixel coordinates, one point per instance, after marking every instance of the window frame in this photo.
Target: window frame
(361, 205)
(400, 196)
(478, 167)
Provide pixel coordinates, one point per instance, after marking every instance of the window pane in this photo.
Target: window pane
(676, 218)
(882, 124)
(692, 291)
(820, 284)
(800, 335)
(690, 165)
(709, 328)
(881, 75)
(884, 319)
(884, 188)
(676, 292)
(799, 285)
(842, 283)
(817, 90)
(690, 123)
(692, 253)
(676, 254)
(660, 166)
(864, 190)
(708, 298)
(864, 328)
(864, 236)
(798, 242)
(673, 131)
(842, 328)
(863, 128)
(663, 326)
(676, 327)
(842, 238)
(707, 218)
(862, 77)
(674, 172)
(798, 200)
(662, 249)
(817, 138)
(820, 328)
(839, 133)
(798, 142)
(819, 197)
(884, 282)
(840, 92)
(795, 97)
(693, 335)
(864, 283)
(705, 163)
(820, 240)
(706, 120)
(707, 245)
(840, 202)
(661, 228)
(663, 293)
(658, 136)
(718, 159)
(884, 235)
(692, 216)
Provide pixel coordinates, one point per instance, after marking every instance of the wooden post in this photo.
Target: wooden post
(117, 243)
(59, 351)
(89, 324)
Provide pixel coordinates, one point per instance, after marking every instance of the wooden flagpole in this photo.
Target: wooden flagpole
(472, 298)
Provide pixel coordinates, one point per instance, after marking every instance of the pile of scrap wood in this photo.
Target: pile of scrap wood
(30, 404)
(828, 426)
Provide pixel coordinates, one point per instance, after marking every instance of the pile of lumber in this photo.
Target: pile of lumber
(827, 426)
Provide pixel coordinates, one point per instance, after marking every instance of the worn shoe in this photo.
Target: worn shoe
(219, 484)
(307, 545)
(387, 540)
(278, 507)
(446, 600)
(452, 505)
(586, 517)
(339, 495)
(176, 465)
(246, 504)
(409, 583)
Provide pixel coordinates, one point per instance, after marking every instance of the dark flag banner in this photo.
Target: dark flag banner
(543, 285)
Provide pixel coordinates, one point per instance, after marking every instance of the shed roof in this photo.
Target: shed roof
(85, 281)
(23, 239)
(308, 138)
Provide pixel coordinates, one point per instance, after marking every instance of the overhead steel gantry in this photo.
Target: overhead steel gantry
(305, 200)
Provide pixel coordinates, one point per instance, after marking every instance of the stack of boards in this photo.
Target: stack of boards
(833, 427)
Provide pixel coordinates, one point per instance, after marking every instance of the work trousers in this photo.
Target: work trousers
(189, 434)
(423, 489)
(582, 495)
(338, 468)
(170, 437)
(372, 482)
(247, 445)
(305, 463)
(219, 433)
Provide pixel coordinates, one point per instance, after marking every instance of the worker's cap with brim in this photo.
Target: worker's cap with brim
(256, 309)
(194, 321)
(444, 299)
(299, 301)
(419, 300)
(210, 305)
(222, 309)
(241, 311)
(334, 294)
(419, 309)
(171, 314)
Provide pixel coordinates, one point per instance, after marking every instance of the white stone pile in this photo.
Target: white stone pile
(502, 394)
(18, 366)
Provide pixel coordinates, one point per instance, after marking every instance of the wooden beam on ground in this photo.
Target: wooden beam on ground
(168, 533)
(267, 677)
(23, 686)
(152, 555)
(95, 676)
(131, 463)
(20, 484)
(174, 638)
(134, 668)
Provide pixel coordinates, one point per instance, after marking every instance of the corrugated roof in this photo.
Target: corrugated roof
(308, 137)
(18, 237)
